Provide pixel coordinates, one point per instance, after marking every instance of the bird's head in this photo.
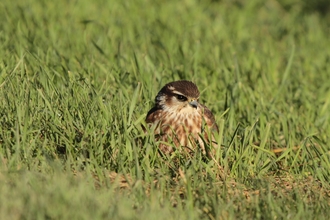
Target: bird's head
(179, 95)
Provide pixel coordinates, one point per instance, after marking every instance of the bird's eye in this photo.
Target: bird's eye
(181, 98)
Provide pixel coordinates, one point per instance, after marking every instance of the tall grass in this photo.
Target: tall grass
(78, 77)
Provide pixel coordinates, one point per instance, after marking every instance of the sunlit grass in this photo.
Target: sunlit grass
(77, 79)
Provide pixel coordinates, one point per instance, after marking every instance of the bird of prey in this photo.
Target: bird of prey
(180, 121)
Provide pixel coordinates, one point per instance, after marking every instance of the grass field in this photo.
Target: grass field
(78, 77)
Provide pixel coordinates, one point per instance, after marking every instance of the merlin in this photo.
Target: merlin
(180, 121)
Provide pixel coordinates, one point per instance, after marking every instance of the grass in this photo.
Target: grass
(78, 77)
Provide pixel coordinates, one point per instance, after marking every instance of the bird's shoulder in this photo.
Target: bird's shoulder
(153, 114)
(209, 118)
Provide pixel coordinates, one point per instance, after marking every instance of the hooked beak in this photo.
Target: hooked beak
(193, 103)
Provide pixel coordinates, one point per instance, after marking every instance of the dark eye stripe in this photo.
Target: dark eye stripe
(181, 98)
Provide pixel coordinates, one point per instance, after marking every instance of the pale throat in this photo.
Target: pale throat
(183, 113)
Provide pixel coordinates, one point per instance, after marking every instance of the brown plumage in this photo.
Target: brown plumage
(180, 120)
